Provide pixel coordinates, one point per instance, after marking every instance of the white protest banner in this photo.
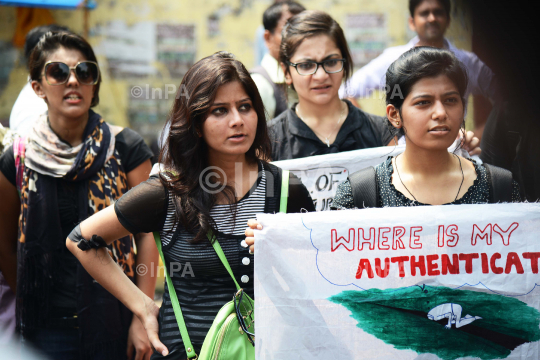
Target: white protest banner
(431, 282)
(323, 173)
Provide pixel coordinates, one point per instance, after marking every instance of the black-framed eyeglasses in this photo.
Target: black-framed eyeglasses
(57, 72)
(245, 313)
(331, 66)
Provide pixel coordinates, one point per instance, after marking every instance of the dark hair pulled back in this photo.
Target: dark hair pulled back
(419, 63)
(52, 41)
(185, 153)
(311, 23)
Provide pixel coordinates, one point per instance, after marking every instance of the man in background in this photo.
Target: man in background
(269, 76)
(430, 20)
(28, 105)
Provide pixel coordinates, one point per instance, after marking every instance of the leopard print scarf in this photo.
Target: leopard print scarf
(95, 164)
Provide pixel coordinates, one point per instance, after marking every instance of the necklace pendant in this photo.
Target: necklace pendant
(327, 142)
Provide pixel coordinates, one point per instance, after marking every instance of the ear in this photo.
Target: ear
(267, 35)
(393, 115)
(288, 77)
(38, 89)
(412, 26)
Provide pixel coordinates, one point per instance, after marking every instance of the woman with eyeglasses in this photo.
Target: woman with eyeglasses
(316, 60)
(72, 165)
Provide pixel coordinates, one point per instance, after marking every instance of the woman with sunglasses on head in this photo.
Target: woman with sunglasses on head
(316, 60)
(72, 165)
(430, 114)
(215, 177)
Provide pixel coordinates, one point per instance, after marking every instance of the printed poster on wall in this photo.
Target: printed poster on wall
(433, 282)
(366, 35)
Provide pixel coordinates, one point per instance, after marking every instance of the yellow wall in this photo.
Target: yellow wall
(239, 21)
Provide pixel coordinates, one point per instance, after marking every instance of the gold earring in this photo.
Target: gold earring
(397, 123)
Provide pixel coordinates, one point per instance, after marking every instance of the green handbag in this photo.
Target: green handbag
(232, 334)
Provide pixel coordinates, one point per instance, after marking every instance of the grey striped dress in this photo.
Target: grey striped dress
(201, 282)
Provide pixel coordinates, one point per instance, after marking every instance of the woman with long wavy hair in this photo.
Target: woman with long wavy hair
(215, 177)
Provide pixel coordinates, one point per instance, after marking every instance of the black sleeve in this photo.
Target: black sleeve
(499, 143)
(299, 197)
(143, 209)
(132, 149)
(381, 127)
(7, 165)
(274, 138)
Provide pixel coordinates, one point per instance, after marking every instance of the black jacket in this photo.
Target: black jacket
(292, 138)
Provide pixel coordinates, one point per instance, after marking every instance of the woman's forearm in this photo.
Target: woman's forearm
(146, 264)
(8, 267)
(108, 274)
(9, 219)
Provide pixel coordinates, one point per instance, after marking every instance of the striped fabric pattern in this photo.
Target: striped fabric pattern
(201, 282)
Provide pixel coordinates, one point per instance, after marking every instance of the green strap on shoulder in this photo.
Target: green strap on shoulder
(175, 304)
(284, 192)
(219, 251)
(222, 256)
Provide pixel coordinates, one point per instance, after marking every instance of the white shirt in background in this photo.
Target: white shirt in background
(26, 110)
(266, 90)
(373, 76)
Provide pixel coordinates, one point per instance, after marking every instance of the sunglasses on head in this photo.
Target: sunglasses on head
(57, 73)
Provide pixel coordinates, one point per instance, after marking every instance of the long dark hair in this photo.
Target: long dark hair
(419, 63)
(185, 153)
(52, 41)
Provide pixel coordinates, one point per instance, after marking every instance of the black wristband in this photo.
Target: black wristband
(95, 242)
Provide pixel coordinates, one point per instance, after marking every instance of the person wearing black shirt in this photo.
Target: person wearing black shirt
(72, 165)
(215, 177)
(434, 84)
(316, 60)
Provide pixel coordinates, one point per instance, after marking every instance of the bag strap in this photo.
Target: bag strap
(219, 251)
(19, 150)
(175, 304)
(284, 191)
(365, 189)
(222, 257)
(501, 184)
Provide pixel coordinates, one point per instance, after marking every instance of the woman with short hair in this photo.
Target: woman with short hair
(72, 165)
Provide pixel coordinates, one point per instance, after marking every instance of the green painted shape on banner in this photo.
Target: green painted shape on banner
(399, 318)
